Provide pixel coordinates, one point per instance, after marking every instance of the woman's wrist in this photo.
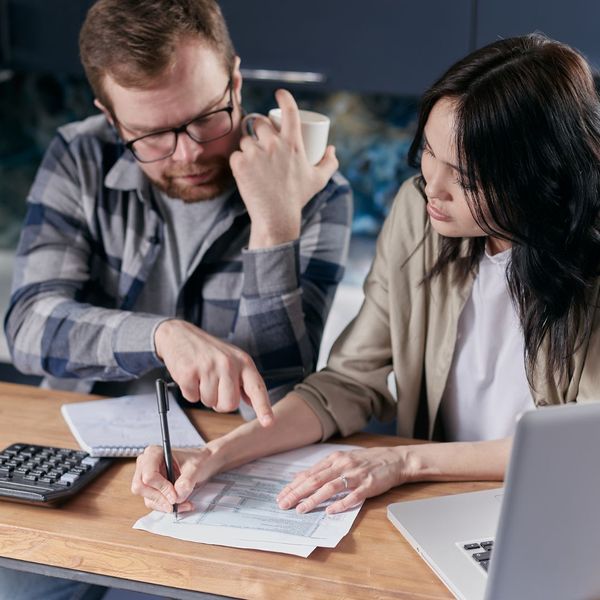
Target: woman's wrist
(414, 464)
(454, 461)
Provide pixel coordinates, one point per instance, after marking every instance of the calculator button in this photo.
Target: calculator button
(69, 478)
(90, 460)
(31, 477)
(6, 471)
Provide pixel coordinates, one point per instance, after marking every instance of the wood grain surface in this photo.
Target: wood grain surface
(93, 531)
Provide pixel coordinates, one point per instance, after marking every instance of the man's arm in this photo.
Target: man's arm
(288, 291)
(50, 327)
(297, 248)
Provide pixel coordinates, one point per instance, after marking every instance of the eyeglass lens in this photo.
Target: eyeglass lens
(202, 130)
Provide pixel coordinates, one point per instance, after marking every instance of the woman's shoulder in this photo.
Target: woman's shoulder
(407, 222)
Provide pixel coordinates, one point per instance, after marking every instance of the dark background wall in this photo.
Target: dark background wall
(389, 46)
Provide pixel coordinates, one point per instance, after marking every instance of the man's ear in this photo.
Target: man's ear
(104, 111)
(236, 80)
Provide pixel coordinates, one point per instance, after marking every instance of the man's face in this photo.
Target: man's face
(194, 84)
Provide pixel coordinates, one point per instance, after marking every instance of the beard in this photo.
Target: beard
(219, 180)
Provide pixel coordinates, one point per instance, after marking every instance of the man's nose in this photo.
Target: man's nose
(187, 150)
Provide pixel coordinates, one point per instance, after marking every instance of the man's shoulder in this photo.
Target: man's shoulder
(336, 190)
(338, 184)
(332, 204)
(95, 128)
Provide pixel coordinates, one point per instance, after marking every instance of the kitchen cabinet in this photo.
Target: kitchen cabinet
(393, 46)
(575, 22)
(42, 35)
(388, 46)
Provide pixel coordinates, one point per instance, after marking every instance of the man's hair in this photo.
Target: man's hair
(134, 40)
(527, 134)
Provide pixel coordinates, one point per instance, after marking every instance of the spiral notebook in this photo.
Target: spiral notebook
(125, 426)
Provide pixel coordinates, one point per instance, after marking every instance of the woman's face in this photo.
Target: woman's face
(446, 199)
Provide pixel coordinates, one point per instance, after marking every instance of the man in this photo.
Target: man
(157, 236)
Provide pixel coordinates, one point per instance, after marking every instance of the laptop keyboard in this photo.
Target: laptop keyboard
(480, 552)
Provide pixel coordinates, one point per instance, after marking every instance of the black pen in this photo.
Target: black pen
(162, 397)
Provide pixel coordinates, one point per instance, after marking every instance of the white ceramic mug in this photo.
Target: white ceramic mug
(315, 131)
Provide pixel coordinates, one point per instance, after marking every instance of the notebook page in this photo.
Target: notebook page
(125, 426)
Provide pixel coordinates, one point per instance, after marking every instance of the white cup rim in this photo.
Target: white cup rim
(306, 116)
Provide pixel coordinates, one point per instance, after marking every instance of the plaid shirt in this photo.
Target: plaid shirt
(90, 238)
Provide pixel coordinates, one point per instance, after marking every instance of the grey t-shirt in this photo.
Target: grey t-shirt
(185, 231)
(186, 227)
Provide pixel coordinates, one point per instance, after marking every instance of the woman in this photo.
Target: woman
(483, 297)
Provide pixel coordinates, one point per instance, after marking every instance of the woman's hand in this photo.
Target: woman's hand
(364, 473)
(192, 467)
(372, 471)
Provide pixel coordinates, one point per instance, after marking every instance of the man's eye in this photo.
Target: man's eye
(203, 120)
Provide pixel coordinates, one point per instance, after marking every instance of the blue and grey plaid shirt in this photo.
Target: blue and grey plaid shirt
(91, 236)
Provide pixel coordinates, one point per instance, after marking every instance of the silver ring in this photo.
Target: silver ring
(344, 481)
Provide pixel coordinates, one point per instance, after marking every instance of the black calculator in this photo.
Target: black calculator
(45, 475)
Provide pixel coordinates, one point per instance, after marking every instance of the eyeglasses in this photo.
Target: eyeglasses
(204, 128)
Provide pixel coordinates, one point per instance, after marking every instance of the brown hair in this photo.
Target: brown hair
(134, 40)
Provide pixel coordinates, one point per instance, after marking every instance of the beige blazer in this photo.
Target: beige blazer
(410, 328)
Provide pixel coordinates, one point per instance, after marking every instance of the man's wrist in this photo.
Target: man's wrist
(161, 335)
(268, 237)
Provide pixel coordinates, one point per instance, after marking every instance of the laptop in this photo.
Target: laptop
(539, 536)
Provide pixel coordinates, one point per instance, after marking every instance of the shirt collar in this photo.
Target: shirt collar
(126, 174)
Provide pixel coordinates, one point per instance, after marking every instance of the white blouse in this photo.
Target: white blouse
(487, 385)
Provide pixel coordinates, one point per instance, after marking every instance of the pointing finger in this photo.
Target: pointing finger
(255, 389)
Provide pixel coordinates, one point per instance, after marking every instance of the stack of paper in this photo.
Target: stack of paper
(238, 509)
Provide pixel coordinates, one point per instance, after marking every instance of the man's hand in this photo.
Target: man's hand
(274, 177)
(150, 479)
(210, 370)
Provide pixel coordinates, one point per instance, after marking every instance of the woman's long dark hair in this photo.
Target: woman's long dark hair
(528, 141)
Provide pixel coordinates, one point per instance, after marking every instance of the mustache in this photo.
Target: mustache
(198, 167)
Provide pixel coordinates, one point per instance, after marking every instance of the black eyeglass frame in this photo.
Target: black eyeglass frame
(184, 129)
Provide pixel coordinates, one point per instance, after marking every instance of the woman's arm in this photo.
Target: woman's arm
(295, 425)
(368, 472)
(372, 471)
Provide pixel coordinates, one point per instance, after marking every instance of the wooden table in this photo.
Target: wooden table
(91, 537)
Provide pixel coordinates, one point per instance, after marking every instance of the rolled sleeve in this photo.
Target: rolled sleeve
(271, 271)
(133, 343)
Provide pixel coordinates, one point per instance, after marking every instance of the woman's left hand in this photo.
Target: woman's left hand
(363, 473)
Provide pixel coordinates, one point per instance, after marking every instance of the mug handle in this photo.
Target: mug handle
(248, 124)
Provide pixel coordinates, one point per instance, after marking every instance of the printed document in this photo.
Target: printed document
(238, 509)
